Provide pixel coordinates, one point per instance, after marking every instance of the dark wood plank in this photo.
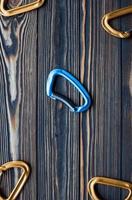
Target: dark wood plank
(104, 140)
(18, 95)
(126, 123)
(58, 129)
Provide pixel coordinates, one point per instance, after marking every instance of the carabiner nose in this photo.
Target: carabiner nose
(115, 14)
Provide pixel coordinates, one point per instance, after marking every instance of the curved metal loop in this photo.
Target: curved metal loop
(109, 182)
(26, 171)
(112, 15)
(20, 9)
(76, 84)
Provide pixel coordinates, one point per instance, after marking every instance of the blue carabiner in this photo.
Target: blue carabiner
(77, 85)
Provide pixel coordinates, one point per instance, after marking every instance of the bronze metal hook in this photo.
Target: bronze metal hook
(112, 15)
(25, 168)
(109, 182)
(20, 9)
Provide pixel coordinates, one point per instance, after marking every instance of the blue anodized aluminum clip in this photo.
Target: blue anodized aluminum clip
(50, 85)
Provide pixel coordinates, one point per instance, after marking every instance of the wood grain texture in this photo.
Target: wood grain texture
(18, 94)
(105, 142)
(126, 122)
(58, 129)
(65, 149)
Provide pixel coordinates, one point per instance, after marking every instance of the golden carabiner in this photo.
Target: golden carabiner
(25, 173)
(20, 9)
(108, 182)
(112, 15)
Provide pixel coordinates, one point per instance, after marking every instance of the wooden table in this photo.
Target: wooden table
(65, 149)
